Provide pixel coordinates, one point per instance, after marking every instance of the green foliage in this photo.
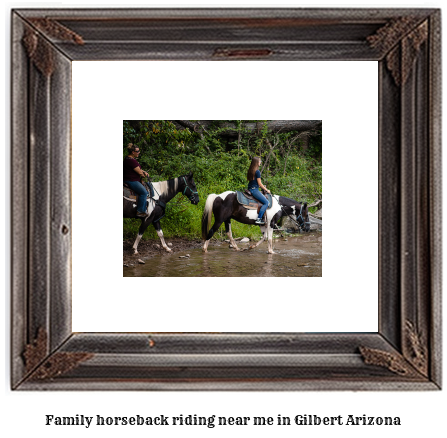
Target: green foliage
(219, 164)
(315, 146)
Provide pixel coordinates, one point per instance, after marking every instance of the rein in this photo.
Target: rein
(163, 205)
(158, 202)
(302, 223)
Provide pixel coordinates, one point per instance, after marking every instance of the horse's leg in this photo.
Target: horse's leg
(258, 243)
(212, 230)
(160, 235)
(205, 246)
(144, 224)
(264, 236)
(230, 235)
(270, 239)
(137, 241)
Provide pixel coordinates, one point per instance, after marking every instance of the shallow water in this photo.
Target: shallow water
(299, 256)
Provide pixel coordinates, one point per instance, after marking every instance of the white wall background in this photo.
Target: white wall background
(106, 93)
(422, 414)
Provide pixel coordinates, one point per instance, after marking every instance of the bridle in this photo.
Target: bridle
(192, 193)
(163, 205)
(301, 223)
(300, 219)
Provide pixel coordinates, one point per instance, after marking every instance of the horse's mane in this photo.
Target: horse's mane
(170, 186)
(167, 187)
(166, 180)
(293, 201)
(170, 180)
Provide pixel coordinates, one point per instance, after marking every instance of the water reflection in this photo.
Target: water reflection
(295, 257)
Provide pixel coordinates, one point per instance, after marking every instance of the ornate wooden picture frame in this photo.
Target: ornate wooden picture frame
(405, 353)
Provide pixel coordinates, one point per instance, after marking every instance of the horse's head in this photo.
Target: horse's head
(189, 188)
(302, 218)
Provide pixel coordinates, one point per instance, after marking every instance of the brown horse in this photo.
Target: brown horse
(226, 207)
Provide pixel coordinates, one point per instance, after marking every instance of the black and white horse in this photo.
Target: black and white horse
(226, 207)
(164, 191)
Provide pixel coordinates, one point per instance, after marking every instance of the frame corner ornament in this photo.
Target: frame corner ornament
(41, 366)
(394, 362)
(58, 364)
(39, 49)
(36, 351)
(400, 56)
(417, 349)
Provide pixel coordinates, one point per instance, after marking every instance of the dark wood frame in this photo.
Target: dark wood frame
(405, 354)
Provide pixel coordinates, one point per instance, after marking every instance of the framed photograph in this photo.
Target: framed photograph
(218, 154)
(404, 353)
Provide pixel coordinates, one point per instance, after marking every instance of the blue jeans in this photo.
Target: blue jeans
(139, 189)
(261, 198)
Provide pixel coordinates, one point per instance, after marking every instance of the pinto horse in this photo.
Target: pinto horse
(226, 207)
(164, 191)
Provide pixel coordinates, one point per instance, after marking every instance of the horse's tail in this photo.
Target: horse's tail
(207, 212)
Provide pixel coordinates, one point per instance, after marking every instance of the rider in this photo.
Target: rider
(254, 178)
(132, 175)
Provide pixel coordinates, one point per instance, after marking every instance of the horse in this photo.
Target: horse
(226, 207)
(164, 191)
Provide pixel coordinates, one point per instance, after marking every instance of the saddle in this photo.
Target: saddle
(248, 201)
(131, 195)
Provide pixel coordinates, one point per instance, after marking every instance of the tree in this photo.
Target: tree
(231, 129)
